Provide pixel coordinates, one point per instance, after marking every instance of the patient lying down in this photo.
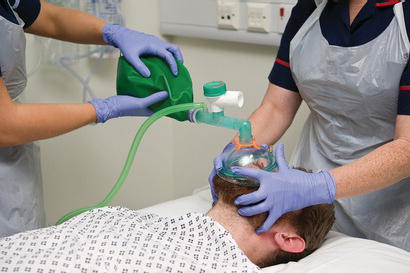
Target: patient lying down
(115, 239)
(294, 236)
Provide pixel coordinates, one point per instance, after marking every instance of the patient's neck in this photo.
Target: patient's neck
(256, 247)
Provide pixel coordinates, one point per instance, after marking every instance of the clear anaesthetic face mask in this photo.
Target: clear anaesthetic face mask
(250, 157)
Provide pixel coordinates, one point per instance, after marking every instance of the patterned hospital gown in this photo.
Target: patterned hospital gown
(115, 239)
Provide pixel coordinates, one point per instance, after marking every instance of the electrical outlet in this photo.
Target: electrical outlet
(229, 15)
(260, 17)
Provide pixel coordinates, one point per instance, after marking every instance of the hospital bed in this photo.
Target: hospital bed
(339, 253)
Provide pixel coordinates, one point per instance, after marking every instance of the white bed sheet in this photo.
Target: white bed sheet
(339, 253)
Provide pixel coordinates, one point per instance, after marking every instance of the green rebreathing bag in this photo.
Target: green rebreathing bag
(130, 82)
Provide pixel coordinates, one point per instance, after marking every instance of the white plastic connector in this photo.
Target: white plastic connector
(231, 98)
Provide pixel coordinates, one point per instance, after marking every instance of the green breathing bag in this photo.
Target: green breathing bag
(130, 82)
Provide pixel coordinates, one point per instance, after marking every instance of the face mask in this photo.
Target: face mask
(249, 157)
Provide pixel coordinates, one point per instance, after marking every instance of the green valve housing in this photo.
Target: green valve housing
(214, 89)
(130, 82)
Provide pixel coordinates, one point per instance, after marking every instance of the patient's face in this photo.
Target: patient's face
(261, 163)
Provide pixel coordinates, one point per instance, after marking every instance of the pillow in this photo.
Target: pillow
(341, 253)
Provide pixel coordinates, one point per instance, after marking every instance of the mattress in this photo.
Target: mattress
(339, 252)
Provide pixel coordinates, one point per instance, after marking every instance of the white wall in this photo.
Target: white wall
(174, 158)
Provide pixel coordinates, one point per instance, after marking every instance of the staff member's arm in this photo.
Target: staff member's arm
(275, 114)
(67, 25)
(80, 27)
(21, 123)
(379, 169)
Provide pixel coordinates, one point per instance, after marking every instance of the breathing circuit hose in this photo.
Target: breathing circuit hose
(131, 155)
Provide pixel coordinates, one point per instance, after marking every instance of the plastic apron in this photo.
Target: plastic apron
(21, 202)
(352, 93)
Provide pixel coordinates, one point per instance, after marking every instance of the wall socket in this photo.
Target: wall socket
(260, 17)
(229, 15)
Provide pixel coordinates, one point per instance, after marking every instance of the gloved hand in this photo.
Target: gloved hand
(121, 106)
(133, 44)
(217, 166)
(285, 191)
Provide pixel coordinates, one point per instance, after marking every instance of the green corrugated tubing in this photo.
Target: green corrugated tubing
(131, 155)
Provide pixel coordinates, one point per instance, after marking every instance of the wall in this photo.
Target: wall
(174, 158)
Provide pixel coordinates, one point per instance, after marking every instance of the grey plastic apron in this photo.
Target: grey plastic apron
(352, 94)
(21, 202)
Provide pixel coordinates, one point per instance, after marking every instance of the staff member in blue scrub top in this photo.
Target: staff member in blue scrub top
(348, 61)
(21, 204)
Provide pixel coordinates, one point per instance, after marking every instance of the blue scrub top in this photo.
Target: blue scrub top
(28, 10)
(372, 20)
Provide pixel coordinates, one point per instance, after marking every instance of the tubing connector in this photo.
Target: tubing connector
(230, 98)
(220, 120)
(239, 145)
(218, 97)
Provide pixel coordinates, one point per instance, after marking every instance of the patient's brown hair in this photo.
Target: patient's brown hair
(311, 223)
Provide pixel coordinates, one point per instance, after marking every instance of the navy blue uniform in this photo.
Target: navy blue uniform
(27, 10)
(372, 20)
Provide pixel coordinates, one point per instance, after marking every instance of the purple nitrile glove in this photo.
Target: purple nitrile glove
(217, 166)
(122, 106)
(134, 44)
(284, 191)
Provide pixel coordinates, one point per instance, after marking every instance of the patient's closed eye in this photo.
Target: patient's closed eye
(261, 163)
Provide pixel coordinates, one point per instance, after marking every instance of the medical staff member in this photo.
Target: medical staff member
(21, 204)
(348, 60)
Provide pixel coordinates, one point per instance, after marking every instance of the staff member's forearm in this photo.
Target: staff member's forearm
(379, 169)
(276, 113)
(21, 123)
(67, 25)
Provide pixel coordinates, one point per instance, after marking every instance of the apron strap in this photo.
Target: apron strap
(318, 2)
(398, 11)
(313, 18)
(16, 4)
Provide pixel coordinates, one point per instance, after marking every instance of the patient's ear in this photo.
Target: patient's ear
(289, 241)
